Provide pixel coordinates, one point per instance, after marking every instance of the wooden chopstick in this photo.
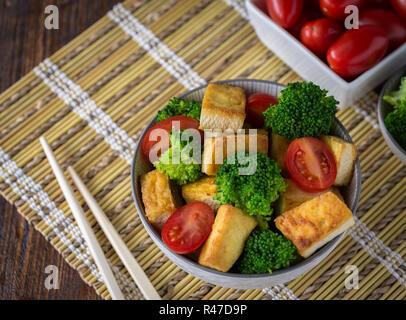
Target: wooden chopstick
(83, 224)
(118, 244)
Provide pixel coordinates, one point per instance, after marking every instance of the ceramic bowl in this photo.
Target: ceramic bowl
(384, 108)
(234, 280)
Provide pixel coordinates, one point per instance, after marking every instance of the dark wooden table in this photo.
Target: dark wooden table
(24, 43)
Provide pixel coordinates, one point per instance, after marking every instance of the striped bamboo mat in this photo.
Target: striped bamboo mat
(93, 97)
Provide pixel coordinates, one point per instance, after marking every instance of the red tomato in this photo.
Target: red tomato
(311, 164)
(257, 103)
(162, 144)
(285, 12)
(318, 35)
(297, 27)
(188, 227)
(357, 50)
(400, 7)
(335, 9)
(387, 20)
(378, 4)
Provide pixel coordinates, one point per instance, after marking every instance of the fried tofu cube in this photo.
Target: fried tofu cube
(157, 197)
(315, 222)
(294, 196)
(345, 154)
(279, 148)
(230, 231)
(216, 149)
(203, 190)
(223, 107)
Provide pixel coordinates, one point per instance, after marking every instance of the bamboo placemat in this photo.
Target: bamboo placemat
(93, 97)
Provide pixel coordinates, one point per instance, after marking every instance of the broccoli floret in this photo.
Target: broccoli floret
(397, 98)
(179, 162)
(255, 192)
(266, 251)
(303, 110)
(177, 107)
(395, 122)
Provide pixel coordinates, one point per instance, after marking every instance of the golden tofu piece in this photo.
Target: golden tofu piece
(223, 107)
(279, 148)
(315, 222)
(294, 196)
(203, 190)
(216, 149)
(157, 197)
(345, 154)
(226, 241)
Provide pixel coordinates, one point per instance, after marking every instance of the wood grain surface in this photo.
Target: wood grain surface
(24, 43)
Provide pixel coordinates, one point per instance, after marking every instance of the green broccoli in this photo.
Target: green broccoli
(180, 162)
(303, 110)
(265, 252)
(395, 122)
(397, 98)
(176, 107)
(254, 192)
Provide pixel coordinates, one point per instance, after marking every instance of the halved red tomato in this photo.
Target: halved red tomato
(188, 227)
(162, 144)
(311, 164)
(257, 103)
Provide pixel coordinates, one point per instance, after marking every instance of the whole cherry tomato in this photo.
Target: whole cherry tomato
(257, 104)
(297, 27)
(318, 35)
(357, 50)
(285, 12)
(387, 20)
(400, 7)
(335, 9)
(378, 4)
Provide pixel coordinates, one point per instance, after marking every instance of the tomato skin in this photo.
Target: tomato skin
(188, 227)
(147, 144)
(335, 9)
(400, 7)
(284, 12)
(378, 4)
(318, 35)
(311, 164)
(297, 27)
(387, 20)
(357, 50)
(257, 103)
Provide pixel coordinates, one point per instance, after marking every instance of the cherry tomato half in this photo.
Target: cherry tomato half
(311, 164)
(318, 35)
(387, 20)
(188, 227)
(400, 7)
(357, 50)
(285, 12)
(257, 103)
(335, 9)
(161, 145)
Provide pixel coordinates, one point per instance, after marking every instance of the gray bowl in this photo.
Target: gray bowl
(227, 279)
(384, 108)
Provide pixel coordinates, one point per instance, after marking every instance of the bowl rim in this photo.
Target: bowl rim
(324, 251)
(398, 74)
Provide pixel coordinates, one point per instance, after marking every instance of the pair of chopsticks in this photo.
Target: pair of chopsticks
(112, 235)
